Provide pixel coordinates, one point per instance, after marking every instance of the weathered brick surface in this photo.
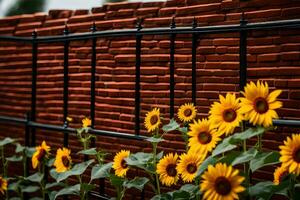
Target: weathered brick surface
(273, 56)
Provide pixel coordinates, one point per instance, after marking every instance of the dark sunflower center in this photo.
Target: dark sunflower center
(65, 161)
(261, 105)
(222, 186)
(296, 155)
(229, 115)
(171, 170)
(283, 176)
(191, 168)
(187, 112)
(204, 137)
(153, 119)
(41, 154)
(124, 164)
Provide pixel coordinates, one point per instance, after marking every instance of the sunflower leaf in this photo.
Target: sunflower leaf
(101, 171)
(14, 158)
(173, 125)
(78, 169)
(245, 157)
(249, 133)
(36, 178)
(155, 139)
(72, 190)
(223, 147)
(208, 161)
(165, 196)
(6, 141)
(263, 159)
(89, 152)
(137, 182)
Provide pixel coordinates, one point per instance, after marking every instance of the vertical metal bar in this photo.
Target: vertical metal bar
(194, 62)
(66, 135)
(33, 85)
(138, 76)
(66, 86)
(93, 77)
(243, 54)
(27, 142)
(172, 68)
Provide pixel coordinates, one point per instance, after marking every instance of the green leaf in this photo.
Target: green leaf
(155, 139)
(223, 147)
(208, 161)
(19, 148)
(36, 178)
(50, 162)
(15, 198)
(14, 158)
(229, 157)
(160, 155)
(29, 188)
(245, 157)
(183, 130)
(249, 133)
(116, 180)
(180, 195)
(263, 159)
(141, 160)
(87, 187)
(89, 152)
(162, 197)
(78, 169)
(6, 141)
(101, 171)
(55, 184)
(72, 190)
(260, 188)
(13, 186)
(173, 125)
(137, 182)
(29, 151)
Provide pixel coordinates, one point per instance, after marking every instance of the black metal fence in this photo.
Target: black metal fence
(30, 120)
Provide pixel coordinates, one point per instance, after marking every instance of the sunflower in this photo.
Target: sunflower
(166, 168)
(188, 165)
(258, 105)
(3, 185)
(203, 137)
(69, 119)
(63, 160)
(226, 115)
(187, 112)
(221, 182)
(86, 122)
(40, 153)
(152, 120)
(279, 174)
(290, 154)
(120, 166)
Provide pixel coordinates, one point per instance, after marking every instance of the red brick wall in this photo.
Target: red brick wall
(272, 55)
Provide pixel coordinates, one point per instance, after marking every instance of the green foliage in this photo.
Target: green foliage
(101, 171)
(26, 7)
(263, 159)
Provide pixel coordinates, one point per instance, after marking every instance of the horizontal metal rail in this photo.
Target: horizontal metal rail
(293, 23)
(49, 127)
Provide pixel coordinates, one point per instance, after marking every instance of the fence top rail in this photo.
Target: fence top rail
(292, 23)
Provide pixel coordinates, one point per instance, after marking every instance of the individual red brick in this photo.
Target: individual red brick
(151, 11)
(226, 42)
(191, 10)
(121, 5)
(272, 57)
(229, 4)
(172, 3)
(290, 55)
(168, 11)
(263, 14)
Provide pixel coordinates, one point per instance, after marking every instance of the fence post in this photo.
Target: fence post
(194, 62)
(172, 67)
(243, 53)
(138, 76)
(33, 85)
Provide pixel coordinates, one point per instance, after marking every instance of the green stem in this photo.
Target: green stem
(155, 162)
(43, 182)
(3, 160)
